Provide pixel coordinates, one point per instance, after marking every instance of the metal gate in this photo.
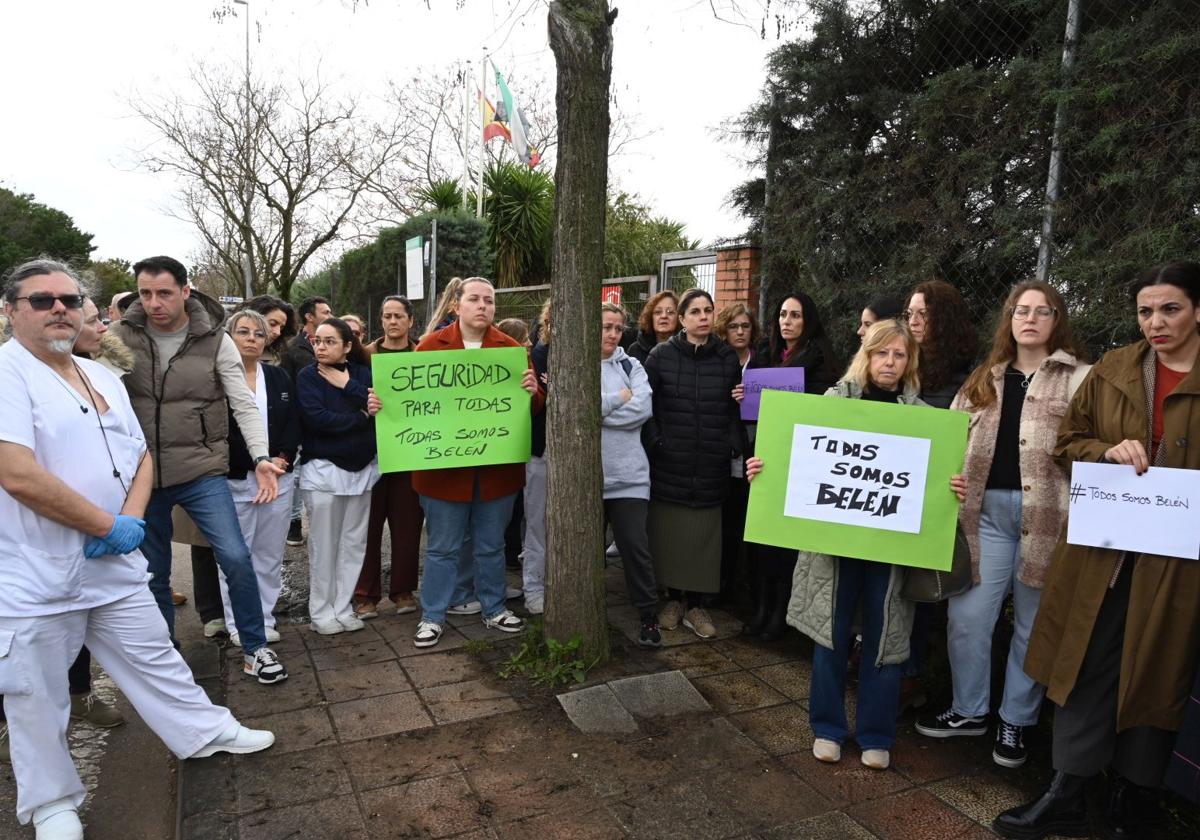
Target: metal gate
(683, 270)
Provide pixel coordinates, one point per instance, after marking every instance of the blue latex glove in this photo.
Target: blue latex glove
(96, 547)
(127, 534)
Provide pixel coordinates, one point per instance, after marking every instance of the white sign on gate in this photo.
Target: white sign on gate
(414, 268)
(857, 478)
(1114, 507)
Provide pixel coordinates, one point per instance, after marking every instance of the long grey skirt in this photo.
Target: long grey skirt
(686, 544)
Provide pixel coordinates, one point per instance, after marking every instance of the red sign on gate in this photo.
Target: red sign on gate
(610, 294)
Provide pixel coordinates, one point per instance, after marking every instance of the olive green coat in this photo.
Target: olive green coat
(1162, 630)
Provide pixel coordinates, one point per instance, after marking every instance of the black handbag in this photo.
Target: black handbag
(929, 586)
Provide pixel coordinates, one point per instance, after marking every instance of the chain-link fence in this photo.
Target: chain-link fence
(983, 142)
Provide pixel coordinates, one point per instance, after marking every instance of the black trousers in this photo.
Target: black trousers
(627, 518)
(1085, 728)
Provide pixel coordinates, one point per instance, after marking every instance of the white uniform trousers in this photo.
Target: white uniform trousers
(337, 541)
(533, 566)
(264, 527)
(129, 639)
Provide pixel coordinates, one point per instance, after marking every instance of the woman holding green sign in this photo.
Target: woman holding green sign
(828, 591)
(474, 502)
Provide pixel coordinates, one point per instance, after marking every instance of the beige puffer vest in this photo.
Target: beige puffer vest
(183, 415)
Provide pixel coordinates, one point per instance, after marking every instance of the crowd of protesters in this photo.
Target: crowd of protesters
(114, 426)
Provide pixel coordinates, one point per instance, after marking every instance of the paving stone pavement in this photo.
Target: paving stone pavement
(379, 739)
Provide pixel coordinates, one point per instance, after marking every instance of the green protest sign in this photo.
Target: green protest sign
(451, 408)
(857, 478)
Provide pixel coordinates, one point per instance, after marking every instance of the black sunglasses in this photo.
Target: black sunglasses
(44, 302)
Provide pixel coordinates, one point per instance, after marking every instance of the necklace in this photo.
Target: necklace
(1025, 378)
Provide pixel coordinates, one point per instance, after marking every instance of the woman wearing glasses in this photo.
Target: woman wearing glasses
(264, 526)
(737, 327)
(658, 322)
(337, 418)
(1015, 508)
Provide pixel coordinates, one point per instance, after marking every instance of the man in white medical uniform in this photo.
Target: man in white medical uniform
(75, 477)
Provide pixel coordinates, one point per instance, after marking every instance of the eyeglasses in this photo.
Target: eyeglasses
(921, 315)
(327, 342)
(738, 327)
(244, 332)
(1040, 313)
(667, 312)
(44, 302)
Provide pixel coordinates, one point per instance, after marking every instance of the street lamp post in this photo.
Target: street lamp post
(247, 267)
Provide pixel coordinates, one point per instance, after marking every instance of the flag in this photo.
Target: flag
(518, 127)
(493, 123)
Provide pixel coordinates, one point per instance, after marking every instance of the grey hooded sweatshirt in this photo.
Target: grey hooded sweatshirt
(626, 469)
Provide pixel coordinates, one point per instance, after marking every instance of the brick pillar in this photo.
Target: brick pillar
(737, 275)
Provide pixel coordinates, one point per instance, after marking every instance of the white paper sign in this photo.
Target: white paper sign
(414, 268)
(1154, 513)
(857, 478)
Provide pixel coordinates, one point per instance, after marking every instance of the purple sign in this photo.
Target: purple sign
(757, 380)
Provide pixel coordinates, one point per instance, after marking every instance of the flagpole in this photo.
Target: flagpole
(482, 155)
(465, 73)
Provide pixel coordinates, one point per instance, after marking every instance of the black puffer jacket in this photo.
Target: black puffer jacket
(695, 429)
(641, 346)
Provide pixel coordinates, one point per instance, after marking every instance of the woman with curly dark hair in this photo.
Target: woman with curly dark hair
(657, 323)
(938, 318)
(281, 319)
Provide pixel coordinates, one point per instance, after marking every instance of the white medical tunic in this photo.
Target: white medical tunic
(42, 567)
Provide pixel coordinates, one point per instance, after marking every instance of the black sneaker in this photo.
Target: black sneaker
(1010, 745)
(649, 636)
(295, 533)
(949, 724)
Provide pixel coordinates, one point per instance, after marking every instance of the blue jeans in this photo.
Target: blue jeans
(973, 616)
(448, 525)
(858, 582)
(208, 503)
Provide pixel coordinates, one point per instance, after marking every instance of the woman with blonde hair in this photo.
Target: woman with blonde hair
(883, 370)
(446, 310)
(1013, 514)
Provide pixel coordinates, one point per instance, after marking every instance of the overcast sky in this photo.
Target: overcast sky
(71, 66)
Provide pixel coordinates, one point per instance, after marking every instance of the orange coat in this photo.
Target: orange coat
(458, 484)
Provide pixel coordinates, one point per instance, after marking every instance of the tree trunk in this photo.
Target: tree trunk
(581, 40)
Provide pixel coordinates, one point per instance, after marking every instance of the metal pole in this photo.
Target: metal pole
(466, 133)
(247, 238)
(1053, 178)
(433, 262)
(482, 88)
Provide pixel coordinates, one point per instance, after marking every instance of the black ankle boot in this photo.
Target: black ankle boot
(1130, 810)
(762, 591)
(777, 621)
(1062, 810)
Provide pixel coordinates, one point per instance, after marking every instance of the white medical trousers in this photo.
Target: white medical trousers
(264, 527)
(337, 542)
(129, 639)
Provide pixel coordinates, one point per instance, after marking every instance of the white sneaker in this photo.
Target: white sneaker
(327, 628)
(877, 759)
(504, 621)
(511, 592)
(351, 623)
(826, 750)
(535, 604)
(611, 551)
(214, 628)
(272, 635)
(428, 634)
(58, 820)
(237, 739)
(469, 608)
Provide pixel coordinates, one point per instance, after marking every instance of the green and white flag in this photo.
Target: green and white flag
(519, 128)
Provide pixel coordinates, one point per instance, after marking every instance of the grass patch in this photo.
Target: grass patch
(477, 646)
(546, 662)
